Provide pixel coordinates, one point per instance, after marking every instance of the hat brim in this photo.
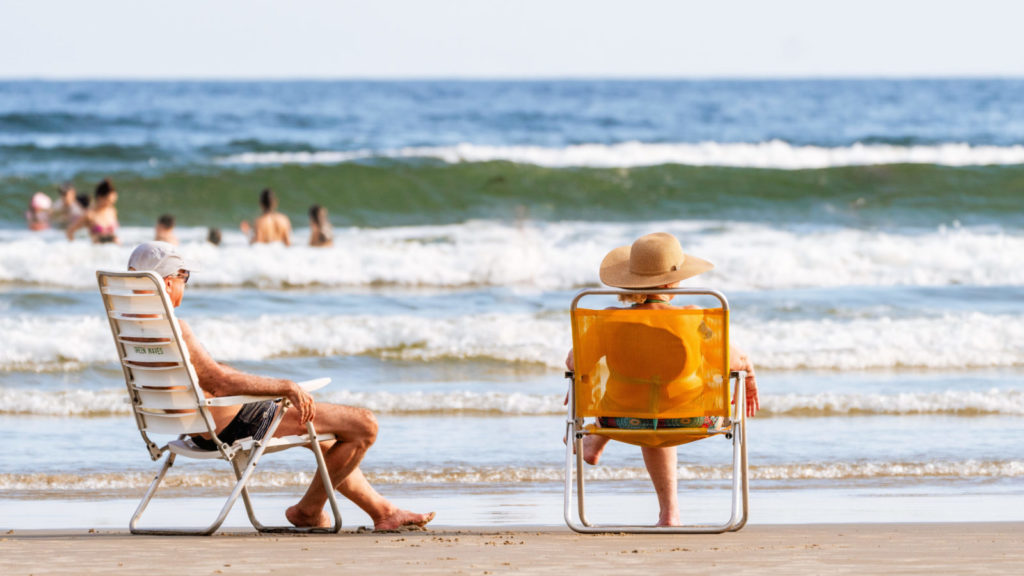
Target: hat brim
(615, 271)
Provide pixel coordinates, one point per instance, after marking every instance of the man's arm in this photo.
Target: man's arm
(286, 230)
(221, 380)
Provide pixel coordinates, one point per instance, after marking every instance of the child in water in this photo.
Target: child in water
(38, 213)
(165, 229)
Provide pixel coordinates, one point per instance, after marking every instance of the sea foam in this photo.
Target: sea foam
(112, 402)
(962, 340)
(195, 483)
(560, 255)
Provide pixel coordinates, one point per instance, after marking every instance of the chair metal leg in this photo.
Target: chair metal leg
(324, 476)
(132, 524)
(242, 476)
(741, 471)
(148, 496)
(567, 494)
(580, 480)
(741, 493)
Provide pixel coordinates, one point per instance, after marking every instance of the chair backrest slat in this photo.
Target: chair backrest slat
(180, 423)
(161, 382)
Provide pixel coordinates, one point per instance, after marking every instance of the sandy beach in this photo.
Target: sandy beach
(954, 548)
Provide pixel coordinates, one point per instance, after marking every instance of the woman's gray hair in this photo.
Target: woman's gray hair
(633, 298)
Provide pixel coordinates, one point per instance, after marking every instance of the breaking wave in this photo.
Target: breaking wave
(33, 484)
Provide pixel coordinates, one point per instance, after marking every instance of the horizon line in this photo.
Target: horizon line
(538, 78)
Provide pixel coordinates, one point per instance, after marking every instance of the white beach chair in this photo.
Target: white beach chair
(649, 367)
(167, 400)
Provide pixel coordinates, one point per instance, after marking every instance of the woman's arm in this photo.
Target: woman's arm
(739, 362)
(74, 226)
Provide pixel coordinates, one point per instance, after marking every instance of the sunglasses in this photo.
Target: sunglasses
(184, 274)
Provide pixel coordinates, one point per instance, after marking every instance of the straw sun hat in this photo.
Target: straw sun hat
(653, 260)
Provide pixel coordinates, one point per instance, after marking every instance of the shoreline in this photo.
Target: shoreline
(927, 548)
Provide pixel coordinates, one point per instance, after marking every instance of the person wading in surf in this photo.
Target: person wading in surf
(271, 226)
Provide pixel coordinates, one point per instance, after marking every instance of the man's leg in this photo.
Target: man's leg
(385, 515)
(356, 430)
(661, 465)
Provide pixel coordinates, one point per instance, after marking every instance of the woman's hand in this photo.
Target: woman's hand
(740, 363)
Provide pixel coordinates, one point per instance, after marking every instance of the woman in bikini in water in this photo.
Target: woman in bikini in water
(101, 218)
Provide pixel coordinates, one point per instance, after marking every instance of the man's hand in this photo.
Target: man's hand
(302, 401)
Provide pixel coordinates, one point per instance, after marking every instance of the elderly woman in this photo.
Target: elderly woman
(657, 262)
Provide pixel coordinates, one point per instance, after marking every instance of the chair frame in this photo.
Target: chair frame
(243, 454)
(575, 432)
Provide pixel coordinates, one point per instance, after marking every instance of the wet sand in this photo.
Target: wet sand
(954, 548)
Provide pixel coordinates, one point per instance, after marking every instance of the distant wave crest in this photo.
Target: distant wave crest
(773, 154)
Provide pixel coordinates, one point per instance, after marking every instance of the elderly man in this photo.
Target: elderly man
(355, 428)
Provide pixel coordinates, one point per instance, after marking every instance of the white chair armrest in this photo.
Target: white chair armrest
(308, 386)
(316, 384)
(235, 400)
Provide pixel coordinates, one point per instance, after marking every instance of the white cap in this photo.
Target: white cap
(41, 201)
(160, 257)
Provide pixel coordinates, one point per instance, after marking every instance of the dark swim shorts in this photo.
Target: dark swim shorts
(252, 420)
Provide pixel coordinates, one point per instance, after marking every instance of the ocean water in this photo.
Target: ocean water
(867, 233)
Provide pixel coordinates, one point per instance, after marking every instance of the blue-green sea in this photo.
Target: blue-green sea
(868, 234)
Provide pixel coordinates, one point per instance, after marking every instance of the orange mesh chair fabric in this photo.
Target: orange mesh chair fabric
(655, 367)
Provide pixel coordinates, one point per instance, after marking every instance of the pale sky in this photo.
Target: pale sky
(508, 39)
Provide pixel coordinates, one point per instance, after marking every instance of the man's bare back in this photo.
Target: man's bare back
(272, 227)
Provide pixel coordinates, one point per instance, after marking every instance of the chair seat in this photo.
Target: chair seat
(185, 447)
(660, 438)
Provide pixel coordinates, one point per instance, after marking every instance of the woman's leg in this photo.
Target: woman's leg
(661, 465)
(593, 446)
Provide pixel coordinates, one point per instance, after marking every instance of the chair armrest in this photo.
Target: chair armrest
(308, 386)
(316, 384)
(240, 399)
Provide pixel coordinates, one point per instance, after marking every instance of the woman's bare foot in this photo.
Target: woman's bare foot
(593, 446)
(671, 519)
(301, 520)
(400, 518)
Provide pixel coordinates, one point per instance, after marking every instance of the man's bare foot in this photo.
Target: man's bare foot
(298, 519)
(593, 446)
(401, 518)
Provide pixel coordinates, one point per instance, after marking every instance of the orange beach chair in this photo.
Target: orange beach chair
(654, 365)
